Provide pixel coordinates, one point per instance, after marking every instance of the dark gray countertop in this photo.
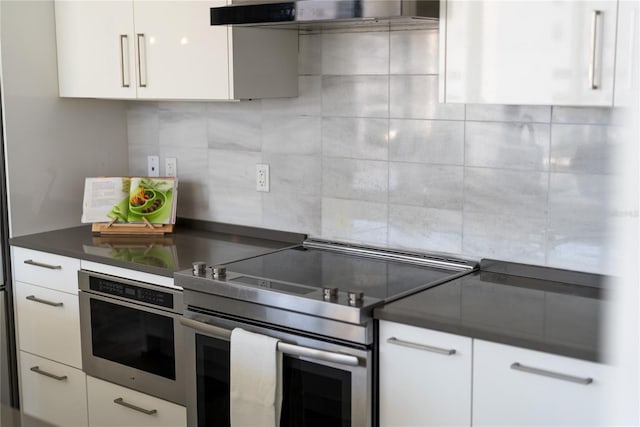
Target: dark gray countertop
(545, 309)
(191, 241)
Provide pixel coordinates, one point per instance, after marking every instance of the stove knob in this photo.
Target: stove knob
(218, 271)
(199, 268)
(329, 294)
(355, 297)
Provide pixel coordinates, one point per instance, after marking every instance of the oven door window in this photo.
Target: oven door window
(133, 337)
(313, 394)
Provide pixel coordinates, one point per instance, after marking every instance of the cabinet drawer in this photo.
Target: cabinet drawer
(516, 386)
(113, 405)
(48, 323)
(425, 377)
(53, 392)
(45, 269)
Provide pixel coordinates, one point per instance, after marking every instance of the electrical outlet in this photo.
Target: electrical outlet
(262, 177)
(153, 166)
(171, 166)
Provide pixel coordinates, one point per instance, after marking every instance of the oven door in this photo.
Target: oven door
(132, 345)
(323, 384)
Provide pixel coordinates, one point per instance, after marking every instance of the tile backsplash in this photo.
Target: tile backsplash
(366, 154)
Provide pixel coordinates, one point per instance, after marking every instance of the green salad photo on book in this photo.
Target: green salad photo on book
(130, 200)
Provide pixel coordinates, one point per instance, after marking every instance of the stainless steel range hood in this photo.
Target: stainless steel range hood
(321, 13)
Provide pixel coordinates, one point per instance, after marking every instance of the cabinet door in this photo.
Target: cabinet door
(48, 323)
(47, 270)
(181, 56)
(515, 386)
(529, 52)
(95, 42)
(53, 392)
(421, 382)
(112, 405)
(627, 75)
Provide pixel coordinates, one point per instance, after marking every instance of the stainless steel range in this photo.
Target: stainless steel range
(318, 300)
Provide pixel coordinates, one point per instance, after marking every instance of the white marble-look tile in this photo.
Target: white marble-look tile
(234, 126)
(508, 113)
(297, 213)
(357, 138)
(235, 206)
(576, 197)
(504, 236)
(307, 103)
(355, 96)
(355, 53)
(292, 134)
(309, 54)
(416, 97)
(143, 123)
(425, 229)
(507, 145)
(506, 192)
(354, 221)
(182, 123)
(431, 186)
(414, 52)
(583, 148)
(355, 179)
(233, 169)
(586, 115)
(138, 158)
(579, 245)
(193, 182)
(427, 141)
(290, 173)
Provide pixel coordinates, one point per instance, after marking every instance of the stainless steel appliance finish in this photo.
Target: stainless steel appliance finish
(131, 334)
(318, 298)
(325, 12)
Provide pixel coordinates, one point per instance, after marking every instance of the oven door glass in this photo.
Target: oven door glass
(313, 394)
(133, 337)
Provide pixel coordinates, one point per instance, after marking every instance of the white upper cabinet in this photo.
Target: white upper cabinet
(167, 49)
(528, 52)
(627, 72)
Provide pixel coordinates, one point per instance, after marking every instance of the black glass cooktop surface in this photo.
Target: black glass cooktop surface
(320, 268)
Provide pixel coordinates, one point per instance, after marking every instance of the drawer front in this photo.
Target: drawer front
(516, 386)
(45, 269)
(425, 377)
(48, 323)
(53, 392)
(113, 405)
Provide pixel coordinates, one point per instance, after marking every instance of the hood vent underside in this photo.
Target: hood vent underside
(313, 14)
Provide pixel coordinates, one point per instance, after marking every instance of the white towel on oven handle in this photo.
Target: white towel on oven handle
(256, 384)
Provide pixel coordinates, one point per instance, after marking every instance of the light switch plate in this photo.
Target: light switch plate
(262, 177)
(171, 166)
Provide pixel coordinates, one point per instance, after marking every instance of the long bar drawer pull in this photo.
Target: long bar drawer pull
(518, 367)
(445, 351)
(43, 265)
(120, 401)
(44, 301)
(37, 370)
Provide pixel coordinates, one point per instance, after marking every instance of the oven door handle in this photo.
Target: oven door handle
(290, 349)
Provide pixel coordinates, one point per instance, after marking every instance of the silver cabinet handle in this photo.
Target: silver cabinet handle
(445, 351)
(44, 301)
(43, 265)
(141, 46)
(37, 370)
(594, 48)
(124, 60)
(120, 401)
(518, 367)
(290, 349)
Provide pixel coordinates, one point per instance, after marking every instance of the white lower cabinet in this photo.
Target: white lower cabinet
(515, 386)
(113, 405)
(53, 392)
(425, 377)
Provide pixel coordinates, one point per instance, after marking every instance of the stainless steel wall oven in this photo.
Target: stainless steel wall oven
(131, 335)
